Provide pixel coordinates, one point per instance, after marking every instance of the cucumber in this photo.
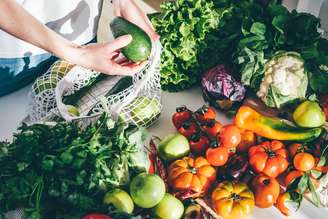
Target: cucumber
(121, 85)
(76, 96)
(140, 47)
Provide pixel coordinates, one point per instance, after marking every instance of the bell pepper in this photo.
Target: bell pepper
(272, 128)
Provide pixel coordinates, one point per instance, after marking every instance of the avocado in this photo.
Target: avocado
(140, 47)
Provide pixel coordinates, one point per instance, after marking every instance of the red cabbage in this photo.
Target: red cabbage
(220, 89)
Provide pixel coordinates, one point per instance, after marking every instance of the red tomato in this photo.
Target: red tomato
(188, 129)
(198, 144)
(212, 127)
(217, 156)
(205, 113)
(181, 115)
(230, 136)
(96, 216)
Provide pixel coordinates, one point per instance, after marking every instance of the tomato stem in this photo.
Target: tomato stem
(266, 182)
(271, 153)
(193, 170)
(235, 197)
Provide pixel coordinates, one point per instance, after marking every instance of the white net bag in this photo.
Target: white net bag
(138, 103)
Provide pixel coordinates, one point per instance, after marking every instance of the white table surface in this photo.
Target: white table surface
(13, 110)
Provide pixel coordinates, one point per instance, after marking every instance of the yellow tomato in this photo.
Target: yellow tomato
(233, 200)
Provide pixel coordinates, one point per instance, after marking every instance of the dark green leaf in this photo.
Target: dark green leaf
(258, 28)
(303, 184)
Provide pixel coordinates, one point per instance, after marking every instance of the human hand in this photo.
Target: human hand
(129, 10)
(103, 57)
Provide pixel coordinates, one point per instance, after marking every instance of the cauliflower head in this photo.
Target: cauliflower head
(285, 79)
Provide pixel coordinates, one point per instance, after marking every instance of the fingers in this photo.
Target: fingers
(128, 68)
(116, 7)
(149, 28)
(119, 43)
(134, 14)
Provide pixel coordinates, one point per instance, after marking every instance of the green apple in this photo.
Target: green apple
(147, 190)
(173, 147)
(74, 111)
(169, 208)
(309, 115)
(120, 199)
(145, 110)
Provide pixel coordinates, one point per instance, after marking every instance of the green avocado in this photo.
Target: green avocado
(140, 47)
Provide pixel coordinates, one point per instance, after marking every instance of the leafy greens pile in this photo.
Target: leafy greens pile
(183, 26)
(268, 30)
(61, 171)
(240, 33)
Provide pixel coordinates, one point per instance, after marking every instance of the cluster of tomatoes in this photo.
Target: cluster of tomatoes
(280, 173)
(284, 173)
(206, 135)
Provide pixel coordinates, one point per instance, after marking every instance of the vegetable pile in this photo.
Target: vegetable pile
(255, 161)
(274, 153)
(61, 171)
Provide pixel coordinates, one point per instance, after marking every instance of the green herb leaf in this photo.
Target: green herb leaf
(314, 195)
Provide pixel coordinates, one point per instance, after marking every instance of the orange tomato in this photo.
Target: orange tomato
(266, 190)
(291, 176)
(205, 113)
(230, 136)
(217, 156)
(212, 127)
(269, 158)
(196, 175)
(248, 139)
(304, 161)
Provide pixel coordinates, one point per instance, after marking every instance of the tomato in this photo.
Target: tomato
(217, 156)
(291, 176)
(248, 139)
(198, 144)
(304, 161)
(96, 216)
(205, 113)
(188, 129)
(230, 136)
(269, 158)
(187, 174)
(266, 190)
(212, 128)
(181, 115)
(232, 200)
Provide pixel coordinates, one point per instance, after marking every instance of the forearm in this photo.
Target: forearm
(16, 21)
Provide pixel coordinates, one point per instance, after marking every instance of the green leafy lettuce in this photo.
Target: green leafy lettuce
(184, 26)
